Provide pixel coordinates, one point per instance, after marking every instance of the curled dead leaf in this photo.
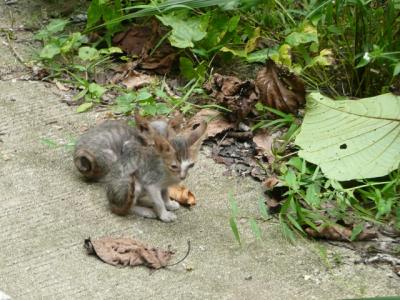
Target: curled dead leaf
(279, 89)
(337, 232)
(216, 123)
(236, 95)
(137, 80)
(127, 252)
(182, 195)
(61, 86)
(137, 40)
(264, 142)
(141, 41)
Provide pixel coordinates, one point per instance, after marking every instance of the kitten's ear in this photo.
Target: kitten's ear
(176, 122)
(161, 144)
(197, 135)
(142, 124)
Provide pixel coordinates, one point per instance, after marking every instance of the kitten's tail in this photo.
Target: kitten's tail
(122, 194)
(86, 163)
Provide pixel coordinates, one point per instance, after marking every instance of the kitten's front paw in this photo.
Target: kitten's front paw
(172, 205)
(168, 217)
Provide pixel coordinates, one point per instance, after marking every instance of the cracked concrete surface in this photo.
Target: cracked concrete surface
(46, 211)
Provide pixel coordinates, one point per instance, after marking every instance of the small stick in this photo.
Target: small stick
(182, 259)
(16, 54)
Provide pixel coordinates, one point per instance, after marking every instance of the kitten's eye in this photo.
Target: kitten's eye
(175, 167)
(191, 165)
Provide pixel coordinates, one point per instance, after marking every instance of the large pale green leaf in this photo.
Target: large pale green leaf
(352, 139)
(185, 30)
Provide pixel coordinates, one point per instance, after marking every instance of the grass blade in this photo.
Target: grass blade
(255, 228)
(235, 231)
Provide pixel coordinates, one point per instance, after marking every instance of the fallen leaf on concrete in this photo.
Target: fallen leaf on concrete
(231, 92)
(127, 252)
(279, 89)
(337, 232)
(182, 195)
(61, 87)
(136, 80)
(216, 123)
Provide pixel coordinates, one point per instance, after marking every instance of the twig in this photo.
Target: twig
(182, 259)
(16, 54)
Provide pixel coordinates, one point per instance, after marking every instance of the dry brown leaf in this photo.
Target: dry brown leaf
(270, 182)
(216, 123)
(127, 252)
(337, 232)
(264, 142)
(61, 87)
(182, 195)
(140, 41)
(161, 61)
(278, 89)
(231, 92)
(136, 80)
(137, 40)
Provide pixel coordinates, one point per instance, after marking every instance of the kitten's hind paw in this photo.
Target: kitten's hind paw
(172, 205)
(167, 217)
(144, 212)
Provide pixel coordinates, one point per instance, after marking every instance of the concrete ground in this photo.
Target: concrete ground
(46, 212)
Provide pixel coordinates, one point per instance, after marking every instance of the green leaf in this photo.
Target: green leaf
(234, 228)
(291, 180)
(94, 13)
(236, 52)
(186, 67)
(124, 103)
(49, 142)
(312, 195)
(233, 23)
(255, 228)
(356, 231)
(143, 94)
(296, 162)
(53, 27)
(261, 55)
(351, 139)
(185, 30)
(88, 53)
(251, 44)
(189, 72)
(282, 56)
(263, 209)
(396, 70)
(49, 51)
(287, 232)
(96, 90)
(84, 107)
(73, 42)
(234, 206)
(110, 50)
(297, 38)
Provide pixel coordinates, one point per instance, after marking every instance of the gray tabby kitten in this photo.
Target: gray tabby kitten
(138, 162)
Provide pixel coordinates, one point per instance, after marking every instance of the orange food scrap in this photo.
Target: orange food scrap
(182, 195)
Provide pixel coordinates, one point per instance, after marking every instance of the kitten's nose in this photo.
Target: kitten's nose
(182, 175)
